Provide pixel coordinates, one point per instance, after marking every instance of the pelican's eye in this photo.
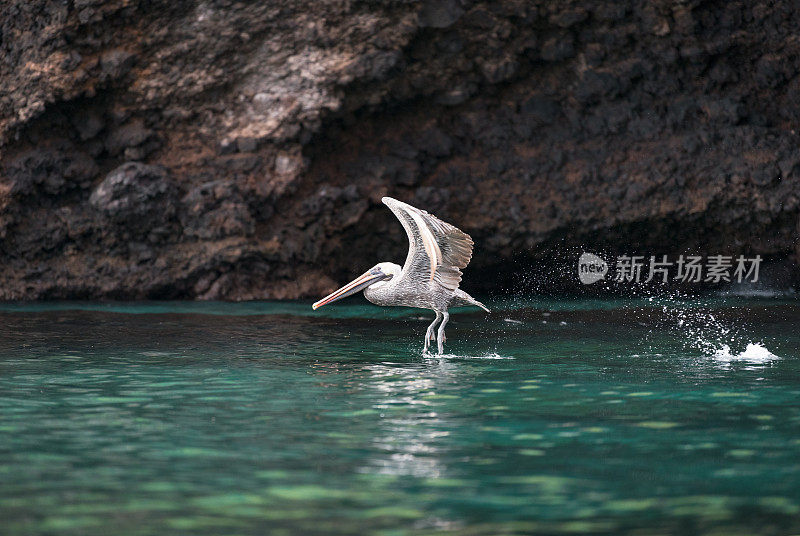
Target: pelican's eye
(384, 275)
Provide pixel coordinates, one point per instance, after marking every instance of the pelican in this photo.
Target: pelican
(437, 251)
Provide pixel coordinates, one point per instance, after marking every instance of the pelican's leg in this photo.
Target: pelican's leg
(441, 331)
(429, 335)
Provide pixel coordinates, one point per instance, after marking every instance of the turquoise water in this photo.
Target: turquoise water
(546, 417)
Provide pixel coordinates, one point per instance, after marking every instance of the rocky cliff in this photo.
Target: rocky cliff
(235, 150)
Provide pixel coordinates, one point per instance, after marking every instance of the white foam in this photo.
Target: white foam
(454, 356)
(754, 353)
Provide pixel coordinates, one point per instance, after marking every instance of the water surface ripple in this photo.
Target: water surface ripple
(545, 417)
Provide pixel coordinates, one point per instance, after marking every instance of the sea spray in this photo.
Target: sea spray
(755, 353)
(701, 329)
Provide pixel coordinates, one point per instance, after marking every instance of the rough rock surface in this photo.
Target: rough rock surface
(233, 150)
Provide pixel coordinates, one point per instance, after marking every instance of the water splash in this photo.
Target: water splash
(492, 355)
(754, 354)
(715, 338)
(702, 330)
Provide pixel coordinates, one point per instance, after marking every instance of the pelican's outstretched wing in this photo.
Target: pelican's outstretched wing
(436, 250)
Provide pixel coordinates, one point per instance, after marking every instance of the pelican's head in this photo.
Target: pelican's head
(378, 275)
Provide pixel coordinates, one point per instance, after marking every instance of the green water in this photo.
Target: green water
(546, 417)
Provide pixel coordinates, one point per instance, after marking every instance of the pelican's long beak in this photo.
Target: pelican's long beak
(360, 283)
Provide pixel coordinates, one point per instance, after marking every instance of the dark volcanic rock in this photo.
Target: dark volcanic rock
(237, 150)
(137, 198)
(216, 209)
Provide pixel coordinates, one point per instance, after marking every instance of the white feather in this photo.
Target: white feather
(428, 241)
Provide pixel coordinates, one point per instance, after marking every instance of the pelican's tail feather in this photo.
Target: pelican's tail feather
(482, 306)
(461, 298)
